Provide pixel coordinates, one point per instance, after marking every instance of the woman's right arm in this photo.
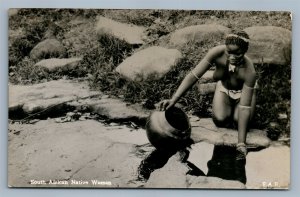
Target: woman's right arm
(193, 76)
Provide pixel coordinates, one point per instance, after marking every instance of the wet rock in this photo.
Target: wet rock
(49, 48)
(153, 61)
(35, 98)
(205, 130)
(198, 33)
(270, 44)
(132, 34)
(53, 64)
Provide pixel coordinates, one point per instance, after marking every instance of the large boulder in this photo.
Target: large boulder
(35, 98)
(155, 61)
(132, 34)
(198, 33)
(206, 84)
(49, 48)
(54, 64)
(207, 77)
(206, 88)
(61, 95)
(269, 44)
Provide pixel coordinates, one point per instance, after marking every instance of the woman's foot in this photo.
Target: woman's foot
(241, 151)
(240, 162)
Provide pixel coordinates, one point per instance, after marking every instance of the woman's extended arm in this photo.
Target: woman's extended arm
(191, 78)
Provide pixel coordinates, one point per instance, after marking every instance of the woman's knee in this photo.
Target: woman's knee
(221, 121)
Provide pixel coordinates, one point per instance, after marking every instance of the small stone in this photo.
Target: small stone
(105, 97)
(132, 124)
(48, 48)
(33, 121)
(70, 114)
(194, 119)
(58, 120)
(83, 118)
(282, 116)
(273, 124)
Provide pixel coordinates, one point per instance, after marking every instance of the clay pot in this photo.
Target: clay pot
(169, 130)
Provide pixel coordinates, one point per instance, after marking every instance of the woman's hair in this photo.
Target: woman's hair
(240, 39)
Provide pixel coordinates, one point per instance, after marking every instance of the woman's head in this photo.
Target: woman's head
(240, 39)
(236, 46)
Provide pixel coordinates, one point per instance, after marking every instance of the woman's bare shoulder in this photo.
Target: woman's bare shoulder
(218, 49)
(216, 52)
(249, 64)
(249, 73)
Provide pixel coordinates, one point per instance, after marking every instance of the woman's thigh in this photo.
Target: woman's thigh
(253, 103)
(222, 108)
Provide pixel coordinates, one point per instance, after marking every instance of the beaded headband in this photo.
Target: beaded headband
(237, 36)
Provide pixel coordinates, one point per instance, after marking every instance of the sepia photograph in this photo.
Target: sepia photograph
(149, 98)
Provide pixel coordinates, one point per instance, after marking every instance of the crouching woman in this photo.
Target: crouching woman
(234, 97)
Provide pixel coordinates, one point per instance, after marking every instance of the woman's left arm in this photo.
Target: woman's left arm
(244, 108)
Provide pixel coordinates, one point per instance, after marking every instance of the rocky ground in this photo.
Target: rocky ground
(62, 134)
(98, 141)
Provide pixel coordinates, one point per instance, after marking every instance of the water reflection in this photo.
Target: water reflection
(157, 159)
(223, 164)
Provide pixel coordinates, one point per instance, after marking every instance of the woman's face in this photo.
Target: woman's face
(234, 54)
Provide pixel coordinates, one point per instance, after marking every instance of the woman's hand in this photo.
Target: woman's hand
(166, 104)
